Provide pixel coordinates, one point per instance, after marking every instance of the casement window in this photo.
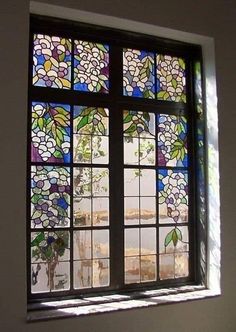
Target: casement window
(116, 171)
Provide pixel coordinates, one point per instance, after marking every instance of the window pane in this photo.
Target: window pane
(172, 140)
(91, 66)
(132, 242)
(50, 132)
(173, 239)
(138, 73)
(148, 268)
(50, 196)
(147, 210)
(82, 212)
(82, 244)
(173, 196)
(52, 61)
(91, 129)
(132, 270)
(171, 78)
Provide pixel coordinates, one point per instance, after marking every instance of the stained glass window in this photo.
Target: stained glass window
(91, 62)
(114, 183)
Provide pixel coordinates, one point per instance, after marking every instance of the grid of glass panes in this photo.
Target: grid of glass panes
(52, 201)
(69, 214)
(147, 135)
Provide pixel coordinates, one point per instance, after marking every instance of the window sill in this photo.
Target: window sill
(112, 303)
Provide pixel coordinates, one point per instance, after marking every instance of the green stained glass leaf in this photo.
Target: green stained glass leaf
(131, 129)
(101, 128)
(83, 122)
(102, 111)
(58, 154)
(179, 234)
(127, 118)
(61, 119)
(175, 237)
(39, 238)
(168, 238)
(181, 63)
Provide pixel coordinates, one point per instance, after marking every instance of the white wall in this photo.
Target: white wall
(213, 18)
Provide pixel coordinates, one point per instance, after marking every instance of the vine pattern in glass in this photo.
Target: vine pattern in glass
(50, 196)
(91, 129)
(139, 138)
(51, 61)
(173, 196)
(171, 78)
(172, 140)
(50, 132)
(138, 73)
(50, 250)
(91, 67)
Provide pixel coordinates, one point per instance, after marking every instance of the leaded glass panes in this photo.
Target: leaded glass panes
(171, 78)
(51, 61)
(112, 192)
(50, 269)
(91, 66)
(172, 140)
(91, 129)
(50, 133)
(138, 73)
(50, 196)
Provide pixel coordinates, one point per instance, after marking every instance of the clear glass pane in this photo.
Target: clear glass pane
(82, 274)
(100, 148)
(82, 244)
(101, 273)
(131, 242)
(82, 148)
(171, 78)
(100, 243)
(138, 73)
(147, 151)
(61, 279)
(148, 241)
(39, 278)
(51, 61)
(131, 210)
(100, 180)
(91, 66)
(132, 270)
(147, 210)
(148, 268)
(50, 196)
(131, 182)
(181, 265)
(131, 151)
(100, 211)
(82, 182)
(173, 196)
(82, 212)
(167, 266)
(172, 140)
(147, 182)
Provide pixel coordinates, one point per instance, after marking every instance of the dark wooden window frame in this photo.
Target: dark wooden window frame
(116, 103)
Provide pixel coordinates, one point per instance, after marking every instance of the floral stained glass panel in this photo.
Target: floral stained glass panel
(50, 196)
(172, 140)
(50, 269)
(91, 129)
(50, 132)
(91, 66)
(138, 73)
(173, 196)
(51, 61)
(171, 78)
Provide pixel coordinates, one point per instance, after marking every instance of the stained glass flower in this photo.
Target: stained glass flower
(91, 64)
(50, 132)
(171, 80)
(50, 188)
(173, 195)
(172, 140)
(138, 73)
(52, 61)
